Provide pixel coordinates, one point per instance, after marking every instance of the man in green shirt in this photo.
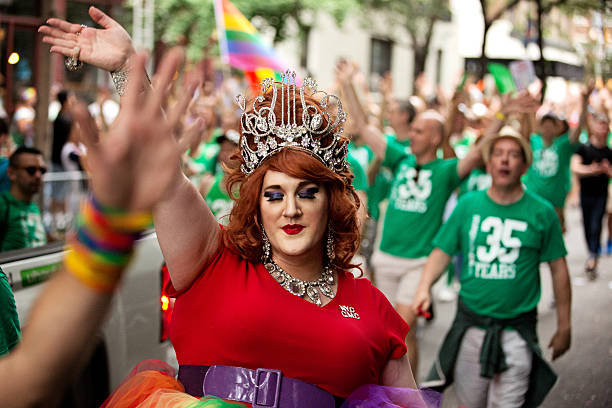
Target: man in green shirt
(503, 233)
(549, 174)
(20, 221)
(421, 186)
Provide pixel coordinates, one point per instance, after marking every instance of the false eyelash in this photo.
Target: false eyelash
(273, 195)
(308, 193)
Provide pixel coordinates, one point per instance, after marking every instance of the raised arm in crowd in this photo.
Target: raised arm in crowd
(110, 48)
(132, 168)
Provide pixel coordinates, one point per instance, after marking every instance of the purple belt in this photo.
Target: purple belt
(263, 388)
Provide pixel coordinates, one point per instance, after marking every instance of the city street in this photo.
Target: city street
(584, 372)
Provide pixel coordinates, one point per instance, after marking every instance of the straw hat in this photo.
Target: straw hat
(508, 132)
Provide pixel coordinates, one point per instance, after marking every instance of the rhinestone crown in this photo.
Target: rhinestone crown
(262, 137)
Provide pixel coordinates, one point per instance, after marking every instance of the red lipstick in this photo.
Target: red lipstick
(292, 229)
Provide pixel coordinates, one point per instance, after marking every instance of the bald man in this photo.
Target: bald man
(422, 184)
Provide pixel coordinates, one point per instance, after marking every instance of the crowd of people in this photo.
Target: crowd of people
(303, 231)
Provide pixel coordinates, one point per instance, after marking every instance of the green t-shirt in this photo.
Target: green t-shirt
(207, 157)
(10, 332)
(363, 154)
(502, 247)
(416, 203)
(219, 201)
(379, 191)
(21, 224)
(461, 145)
(478, 180)
(360, 181)
(549, 174)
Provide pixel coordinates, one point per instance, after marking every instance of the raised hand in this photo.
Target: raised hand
(386, 84)
(134, 164)
(523, 102)
(109, 48)
(344, 72)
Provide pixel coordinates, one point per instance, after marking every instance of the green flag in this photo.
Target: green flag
(503, 78)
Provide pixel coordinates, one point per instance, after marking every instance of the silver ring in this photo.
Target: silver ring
(73, 63)
(81, 29)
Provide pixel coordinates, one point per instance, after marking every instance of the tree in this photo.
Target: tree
(418, 18)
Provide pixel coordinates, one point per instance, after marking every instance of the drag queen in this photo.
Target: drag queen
(265, 312)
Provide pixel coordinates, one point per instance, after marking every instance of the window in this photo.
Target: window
(380, 60)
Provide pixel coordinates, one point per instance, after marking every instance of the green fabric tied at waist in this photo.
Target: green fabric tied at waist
(492, 359)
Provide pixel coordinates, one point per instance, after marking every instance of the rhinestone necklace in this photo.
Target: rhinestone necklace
(298, 287)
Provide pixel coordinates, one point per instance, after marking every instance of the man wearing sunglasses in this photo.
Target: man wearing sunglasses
(20, 221)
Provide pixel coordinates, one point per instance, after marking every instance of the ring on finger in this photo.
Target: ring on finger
(81, 27)
(73, 63)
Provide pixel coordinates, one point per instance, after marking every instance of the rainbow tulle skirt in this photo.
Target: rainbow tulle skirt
(152, 384)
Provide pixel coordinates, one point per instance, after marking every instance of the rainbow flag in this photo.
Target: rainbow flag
(241, 45)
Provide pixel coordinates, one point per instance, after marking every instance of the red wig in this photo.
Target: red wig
(243, 233)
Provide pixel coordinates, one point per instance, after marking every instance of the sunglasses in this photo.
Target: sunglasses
(31, 170)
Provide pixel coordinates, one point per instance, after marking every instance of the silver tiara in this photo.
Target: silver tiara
(262, 137)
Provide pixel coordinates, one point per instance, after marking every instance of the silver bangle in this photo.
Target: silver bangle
(120, 79)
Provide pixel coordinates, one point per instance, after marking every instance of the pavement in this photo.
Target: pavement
(585, 371)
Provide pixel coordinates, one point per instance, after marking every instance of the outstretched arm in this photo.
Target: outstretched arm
(575, 132)
(470, 161)
(58, 336)
(370, 134)
(451, 118)
(186, 230)
(131, 167)
(386, 90)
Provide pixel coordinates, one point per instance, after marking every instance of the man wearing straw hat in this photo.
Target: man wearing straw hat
(491, 351)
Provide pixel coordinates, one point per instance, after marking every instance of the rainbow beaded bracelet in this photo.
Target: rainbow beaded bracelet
(102, 244)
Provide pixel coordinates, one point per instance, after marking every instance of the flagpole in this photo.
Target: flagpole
(219, 18)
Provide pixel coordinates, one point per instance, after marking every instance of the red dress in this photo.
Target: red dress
(236, 314)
